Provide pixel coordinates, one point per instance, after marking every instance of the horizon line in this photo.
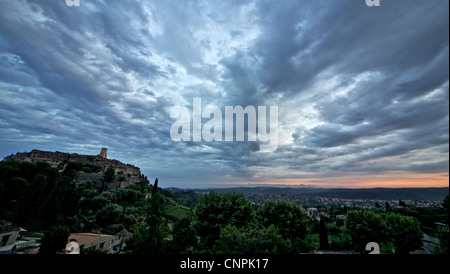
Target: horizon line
(299, 187)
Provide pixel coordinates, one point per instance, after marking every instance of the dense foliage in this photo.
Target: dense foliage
(35, 195)
(401, 232)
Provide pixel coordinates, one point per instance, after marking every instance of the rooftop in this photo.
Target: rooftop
(85, 238)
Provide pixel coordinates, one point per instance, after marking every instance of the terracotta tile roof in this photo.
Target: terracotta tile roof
(85, 238)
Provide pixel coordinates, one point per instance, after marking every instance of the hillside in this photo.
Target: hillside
(87, 167)
(433, 194)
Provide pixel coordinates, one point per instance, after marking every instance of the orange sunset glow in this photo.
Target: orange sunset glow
(364, 181)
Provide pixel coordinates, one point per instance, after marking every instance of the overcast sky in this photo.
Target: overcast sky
(362, 92)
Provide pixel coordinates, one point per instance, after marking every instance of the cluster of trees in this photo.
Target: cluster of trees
(229, 224)
(225, 224)
(392, 231)
(36, 196)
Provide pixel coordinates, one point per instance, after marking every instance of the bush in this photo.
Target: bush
(287, 217)
(109, 214)
(362, 227)
(442, 235)
(214, 212)
(404, 232)
(55, 240)
(252, 240)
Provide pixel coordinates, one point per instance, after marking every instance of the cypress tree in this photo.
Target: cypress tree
(155, 187)
(323, 235)
(388, 207)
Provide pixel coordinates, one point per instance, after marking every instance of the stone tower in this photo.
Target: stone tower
(103, 152)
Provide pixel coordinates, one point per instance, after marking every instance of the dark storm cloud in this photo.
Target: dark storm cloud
(359, 89)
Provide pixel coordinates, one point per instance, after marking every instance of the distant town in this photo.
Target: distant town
(327, 198)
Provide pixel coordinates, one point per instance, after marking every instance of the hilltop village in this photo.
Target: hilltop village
(49, 193)
(95, 165)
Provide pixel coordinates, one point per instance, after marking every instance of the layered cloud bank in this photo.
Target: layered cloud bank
(362, 92)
